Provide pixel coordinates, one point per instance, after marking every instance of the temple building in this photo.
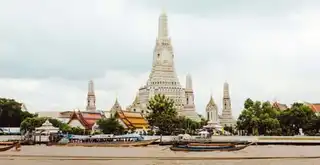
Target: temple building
(130, 120)
(91, 97)
(133, 121)
(315, 107)
(279, 106)
(163, 78)
(226, 119)
(212, 111)
(84, 120)
(115, 108)
(136, 107)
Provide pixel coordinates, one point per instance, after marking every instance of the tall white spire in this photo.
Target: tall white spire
(188, 81)
(163, 78)
(163, 26)
(90, 88)
(226, 90)
(91, 97)
(226, 118)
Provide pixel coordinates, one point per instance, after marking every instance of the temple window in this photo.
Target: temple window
(134, 110)
(142, 111)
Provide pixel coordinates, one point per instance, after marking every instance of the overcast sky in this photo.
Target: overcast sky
(265, 50)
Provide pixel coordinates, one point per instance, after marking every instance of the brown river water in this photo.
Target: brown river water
(159, 155)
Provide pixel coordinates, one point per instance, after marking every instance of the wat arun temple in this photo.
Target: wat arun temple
(163, 79)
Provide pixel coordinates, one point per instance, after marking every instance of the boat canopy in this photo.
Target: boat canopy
(130, 136)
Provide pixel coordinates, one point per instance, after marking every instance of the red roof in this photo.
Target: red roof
(280, 106)
(315, 107)
(87, 119)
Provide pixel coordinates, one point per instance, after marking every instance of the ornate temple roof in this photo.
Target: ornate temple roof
(211, 102)
(116, 106)
(86, 118)
(133, 119)
(314, 106)
(280, 106)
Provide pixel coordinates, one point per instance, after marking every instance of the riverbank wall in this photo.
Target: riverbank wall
(260, 140)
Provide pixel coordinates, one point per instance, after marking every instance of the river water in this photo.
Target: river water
(159, 155)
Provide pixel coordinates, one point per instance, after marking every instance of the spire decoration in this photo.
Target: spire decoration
(163, 26)
(91, 97)
(188, 81)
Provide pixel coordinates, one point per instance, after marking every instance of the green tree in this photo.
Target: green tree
(312, 128)
(203, 122)
(110, 126)
(298, 116)
(64, 127)
(163, 115)
(186, 125)
(258, 118)
(11, 114)
(30, 124)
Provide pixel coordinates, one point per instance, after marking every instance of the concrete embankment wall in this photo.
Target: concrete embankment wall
(214, 138)
(260, 139)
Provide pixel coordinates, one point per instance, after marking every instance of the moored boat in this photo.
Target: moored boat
(211, 144)
(6, 143)
(14, 144)
(103, 141)
(187, 148)
(114, 144)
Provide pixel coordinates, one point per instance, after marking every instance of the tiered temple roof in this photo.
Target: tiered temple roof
(279, 106)
(86, 118)
(314, 106)
(133, 120)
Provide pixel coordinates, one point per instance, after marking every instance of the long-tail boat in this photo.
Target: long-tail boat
(14, 144)
(211, 144)
(116, 141)
(187, 148)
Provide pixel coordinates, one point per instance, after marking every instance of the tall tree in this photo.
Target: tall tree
(30, 124)
(163, 115)
(298, 116)
(11, 114)
(110, 126)
(258, 118)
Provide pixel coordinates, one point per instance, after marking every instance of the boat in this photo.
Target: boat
(6, 143)
(107, 141)
(114, 144)
(211, 144)
(187, 148)
(14, 144)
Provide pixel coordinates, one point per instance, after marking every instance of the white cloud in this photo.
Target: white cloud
(49, 51)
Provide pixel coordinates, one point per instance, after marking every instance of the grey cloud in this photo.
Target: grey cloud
(41, 40)
(227, 8)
